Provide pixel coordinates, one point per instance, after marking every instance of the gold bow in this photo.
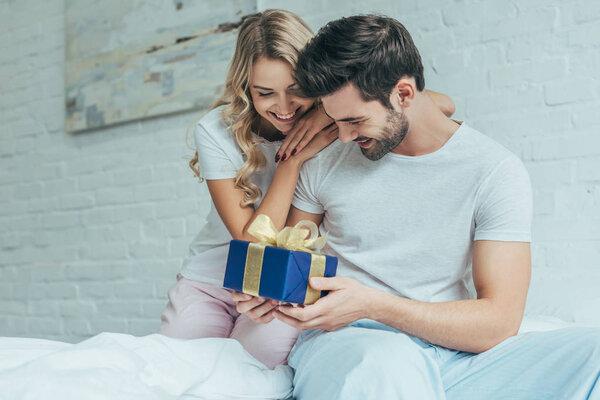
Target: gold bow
(290, 238)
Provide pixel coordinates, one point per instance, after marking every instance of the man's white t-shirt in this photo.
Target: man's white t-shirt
(220, 157)
(406, 224)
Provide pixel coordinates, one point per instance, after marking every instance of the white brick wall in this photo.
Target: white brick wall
(94, 225)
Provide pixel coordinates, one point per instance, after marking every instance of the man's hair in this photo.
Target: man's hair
(371, 51)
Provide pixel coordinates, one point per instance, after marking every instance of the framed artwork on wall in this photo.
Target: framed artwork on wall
(129, 60)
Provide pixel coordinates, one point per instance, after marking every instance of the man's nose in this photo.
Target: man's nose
(346, 134)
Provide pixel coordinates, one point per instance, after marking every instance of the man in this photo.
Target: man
(431, 223)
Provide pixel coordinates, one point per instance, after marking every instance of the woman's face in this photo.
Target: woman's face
(273, 90)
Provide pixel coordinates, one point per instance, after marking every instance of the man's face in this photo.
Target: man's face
(374, 127)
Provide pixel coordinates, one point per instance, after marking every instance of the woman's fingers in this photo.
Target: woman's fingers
(298, 130)
(265, 319)
(327, 136)
(260, 311)
(319, 142)
(296, 140)
(246, 305)
(238, 296)
(256, 307)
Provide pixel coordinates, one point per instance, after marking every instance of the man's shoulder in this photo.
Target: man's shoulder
(332, 154)
(487, 159)
(483, 148)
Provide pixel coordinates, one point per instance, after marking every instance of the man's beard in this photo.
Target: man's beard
(393, 134)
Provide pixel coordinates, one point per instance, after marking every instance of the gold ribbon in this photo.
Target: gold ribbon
(290, 238)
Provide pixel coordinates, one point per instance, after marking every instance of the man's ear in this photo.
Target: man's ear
(403, 92)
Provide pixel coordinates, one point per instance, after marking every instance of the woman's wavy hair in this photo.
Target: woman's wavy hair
(275, 34)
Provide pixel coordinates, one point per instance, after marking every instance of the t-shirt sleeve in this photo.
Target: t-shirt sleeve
(503, 209)
(212, 158)
(305, 198)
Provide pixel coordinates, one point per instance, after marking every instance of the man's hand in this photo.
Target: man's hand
(347, 301)
(258, 309)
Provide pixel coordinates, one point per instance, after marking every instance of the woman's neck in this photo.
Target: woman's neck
(266, 130)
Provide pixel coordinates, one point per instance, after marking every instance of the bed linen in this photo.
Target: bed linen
(123, 367)
(119, 366)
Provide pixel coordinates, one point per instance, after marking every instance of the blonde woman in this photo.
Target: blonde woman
(250, 148)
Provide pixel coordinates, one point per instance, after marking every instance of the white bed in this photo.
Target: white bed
(118, 366)
(123, 367)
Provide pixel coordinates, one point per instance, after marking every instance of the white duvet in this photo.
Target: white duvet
(123, 367)
(118, 366)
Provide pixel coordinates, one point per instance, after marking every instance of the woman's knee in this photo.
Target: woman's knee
(193, 311)
(269, 343)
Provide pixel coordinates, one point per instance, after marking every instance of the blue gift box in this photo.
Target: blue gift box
(284, 274)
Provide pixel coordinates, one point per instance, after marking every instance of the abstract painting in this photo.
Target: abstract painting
(128, 60)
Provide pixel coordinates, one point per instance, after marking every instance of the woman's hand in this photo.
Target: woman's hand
(258, 309)
(318, 143)
(303, 132)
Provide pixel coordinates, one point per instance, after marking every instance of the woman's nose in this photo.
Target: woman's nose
(286, 104)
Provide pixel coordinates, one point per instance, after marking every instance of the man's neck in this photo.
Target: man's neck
(429, 129)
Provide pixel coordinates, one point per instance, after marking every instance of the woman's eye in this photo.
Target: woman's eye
(264, 94)
(354, 122)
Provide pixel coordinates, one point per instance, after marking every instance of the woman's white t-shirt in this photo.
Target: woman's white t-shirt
(220, 157)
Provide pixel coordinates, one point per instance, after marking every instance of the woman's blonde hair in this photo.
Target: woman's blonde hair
(275, 34)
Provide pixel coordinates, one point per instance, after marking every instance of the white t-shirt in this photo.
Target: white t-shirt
(406, 224)
(220, 157)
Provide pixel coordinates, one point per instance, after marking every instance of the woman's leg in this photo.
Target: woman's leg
(268, 343)
(197, 310)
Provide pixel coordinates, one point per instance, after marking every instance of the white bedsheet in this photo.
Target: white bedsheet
(118, 366)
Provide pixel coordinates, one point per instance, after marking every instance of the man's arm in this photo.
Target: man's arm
(501, 273)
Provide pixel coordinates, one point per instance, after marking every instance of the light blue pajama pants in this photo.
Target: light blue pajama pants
(369, 360)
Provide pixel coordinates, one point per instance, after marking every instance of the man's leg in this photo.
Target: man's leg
(561, 364)
(363, 363)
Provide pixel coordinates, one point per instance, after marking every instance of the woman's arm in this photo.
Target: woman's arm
(227, 197)
(443, 102)
(276, 204)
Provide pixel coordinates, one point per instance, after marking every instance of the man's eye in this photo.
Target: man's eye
(354, 122)
(264, 94)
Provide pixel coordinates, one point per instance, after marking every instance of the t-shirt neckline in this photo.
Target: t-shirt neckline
(436, 153)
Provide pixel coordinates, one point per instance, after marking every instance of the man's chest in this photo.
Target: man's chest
(402, 206)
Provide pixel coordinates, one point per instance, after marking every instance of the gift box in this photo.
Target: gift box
(282, 274)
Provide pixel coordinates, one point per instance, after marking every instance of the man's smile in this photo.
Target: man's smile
(364, 142)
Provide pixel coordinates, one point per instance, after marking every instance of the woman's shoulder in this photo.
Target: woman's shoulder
(218, 152)
(213, 120)
(212, 126)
